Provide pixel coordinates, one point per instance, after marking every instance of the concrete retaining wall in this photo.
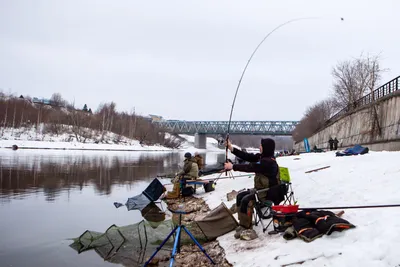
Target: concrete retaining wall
(358, 128)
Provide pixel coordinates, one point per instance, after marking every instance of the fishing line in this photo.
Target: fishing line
(245, 68)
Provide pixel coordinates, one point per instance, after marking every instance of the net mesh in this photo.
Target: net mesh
(132, 245)
(129, 245)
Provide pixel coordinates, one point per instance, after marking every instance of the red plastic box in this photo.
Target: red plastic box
(286, 208)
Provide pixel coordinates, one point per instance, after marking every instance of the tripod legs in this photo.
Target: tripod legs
(162, 244)
(176, 245)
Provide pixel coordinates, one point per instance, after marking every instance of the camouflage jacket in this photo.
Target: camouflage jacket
(190, 169)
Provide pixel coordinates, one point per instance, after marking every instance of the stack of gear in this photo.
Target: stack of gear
(352, 151)
(282, 217)
(310, 225)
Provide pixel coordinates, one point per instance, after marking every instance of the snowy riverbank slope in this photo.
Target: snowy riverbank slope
(368, 179)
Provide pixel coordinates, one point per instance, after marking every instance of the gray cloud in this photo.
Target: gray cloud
(183, 59)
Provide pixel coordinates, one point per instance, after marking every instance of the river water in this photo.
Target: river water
(47, 197)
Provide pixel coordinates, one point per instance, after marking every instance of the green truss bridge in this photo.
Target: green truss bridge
(201, 128)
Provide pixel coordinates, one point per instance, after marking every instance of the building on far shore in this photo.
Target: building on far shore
(41, 101)
(155, 117)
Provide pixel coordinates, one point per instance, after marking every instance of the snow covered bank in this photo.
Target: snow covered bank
(30, 138)
(356, 180)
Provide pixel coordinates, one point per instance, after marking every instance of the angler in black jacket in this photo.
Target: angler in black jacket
(266, 171)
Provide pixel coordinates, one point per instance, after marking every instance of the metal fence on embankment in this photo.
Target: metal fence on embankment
(385, 90)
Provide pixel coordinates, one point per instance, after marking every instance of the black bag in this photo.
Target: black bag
(210, 186)
(282, 221)
(187, 191)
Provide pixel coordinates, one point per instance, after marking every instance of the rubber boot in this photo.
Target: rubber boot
(245, 222)
(248, 234)
(174, 193)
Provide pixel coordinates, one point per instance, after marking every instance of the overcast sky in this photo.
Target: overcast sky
(183, 59)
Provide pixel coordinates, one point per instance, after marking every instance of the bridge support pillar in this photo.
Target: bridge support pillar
(200, 140)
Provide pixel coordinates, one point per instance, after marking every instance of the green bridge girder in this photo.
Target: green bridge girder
(221, 127)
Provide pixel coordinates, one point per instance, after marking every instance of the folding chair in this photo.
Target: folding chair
(276, 194)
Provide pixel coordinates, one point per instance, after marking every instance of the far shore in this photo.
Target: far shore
(76, 146)
(94, 149)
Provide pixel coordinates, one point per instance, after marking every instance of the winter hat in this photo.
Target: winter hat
(268, 147)
(188, 155)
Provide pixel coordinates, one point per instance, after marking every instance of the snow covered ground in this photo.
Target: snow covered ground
(32, 139)
(370, 179)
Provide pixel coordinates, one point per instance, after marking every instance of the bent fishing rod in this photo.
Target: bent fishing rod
(244, 71)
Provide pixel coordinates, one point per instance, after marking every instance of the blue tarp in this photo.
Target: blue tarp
(355, 150)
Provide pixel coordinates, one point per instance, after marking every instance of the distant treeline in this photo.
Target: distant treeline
(21, 111)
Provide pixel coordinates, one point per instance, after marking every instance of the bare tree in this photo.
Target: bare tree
(107, 112)
(352, 79)
(57, 100)
(375, 125)
(79, 119)
(313, 119)
(54, 122)
(5, 119)
(15, 112)
(173, 141)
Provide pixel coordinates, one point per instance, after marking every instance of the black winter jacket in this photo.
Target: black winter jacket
(259, 163)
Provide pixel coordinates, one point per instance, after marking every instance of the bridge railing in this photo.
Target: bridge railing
(385, 90)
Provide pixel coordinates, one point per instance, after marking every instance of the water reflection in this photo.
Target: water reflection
(29, 173)
(49, 196)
